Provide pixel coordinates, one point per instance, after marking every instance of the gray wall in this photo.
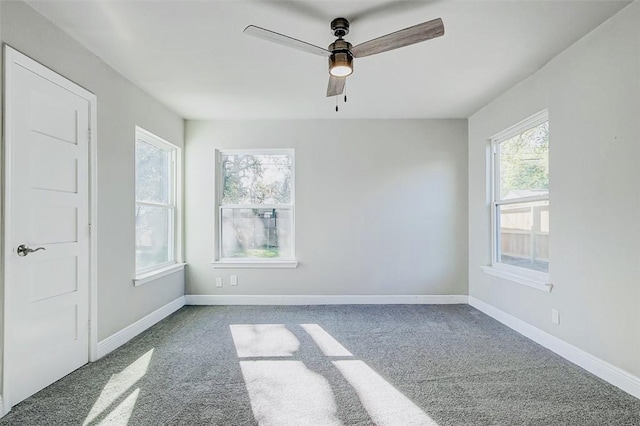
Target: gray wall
(381, 206)
(121, 106)
(592, 91)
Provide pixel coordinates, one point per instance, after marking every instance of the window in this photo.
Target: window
(157, 195)
(255, 208)
(521, 198)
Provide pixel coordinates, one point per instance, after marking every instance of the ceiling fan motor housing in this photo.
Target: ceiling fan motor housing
(341, 59)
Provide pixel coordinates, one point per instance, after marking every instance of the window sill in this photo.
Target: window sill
(247, 264)
(157, 273)
(540, 283)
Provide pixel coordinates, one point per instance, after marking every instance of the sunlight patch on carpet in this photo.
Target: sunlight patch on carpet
(287, 393)
(118, 384)
(256, 340)
(121, 414)
(386, 405)
(327, 344)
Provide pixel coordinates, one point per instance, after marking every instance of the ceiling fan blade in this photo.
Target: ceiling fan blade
(406, 37)
(336, 85)
(285, 40)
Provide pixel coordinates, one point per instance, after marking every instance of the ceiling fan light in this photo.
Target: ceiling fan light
(341, 71)
(340, 64)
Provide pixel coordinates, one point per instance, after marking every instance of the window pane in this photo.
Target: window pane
(152, 173)
(524, 235)
(524, 164)
(257, 233)
(256, 179)
(153, 227)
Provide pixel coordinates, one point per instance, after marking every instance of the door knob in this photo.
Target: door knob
(23, 250)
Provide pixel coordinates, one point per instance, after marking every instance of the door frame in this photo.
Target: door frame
(11, 57)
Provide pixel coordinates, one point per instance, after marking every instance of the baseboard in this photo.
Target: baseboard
(121, 337)
(325, 299)
(610, 373)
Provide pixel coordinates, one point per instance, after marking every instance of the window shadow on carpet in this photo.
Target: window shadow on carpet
(285, 391)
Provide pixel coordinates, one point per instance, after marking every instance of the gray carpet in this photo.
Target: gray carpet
(399, 365)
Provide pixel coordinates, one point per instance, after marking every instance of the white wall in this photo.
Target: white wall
(592, 91)
(380, 206)
(121, 106)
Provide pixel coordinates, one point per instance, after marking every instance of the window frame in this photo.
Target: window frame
(221, 262)
(525, 276)
(173, 206)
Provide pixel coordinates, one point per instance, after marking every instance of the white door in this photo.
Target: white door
(47, 193)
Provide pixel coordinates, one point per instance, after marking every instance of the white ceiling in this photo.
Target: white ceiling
(193, 57)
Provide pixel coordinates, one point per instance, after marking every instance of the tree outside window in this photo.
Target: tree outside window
(521, 196)
(256, 205)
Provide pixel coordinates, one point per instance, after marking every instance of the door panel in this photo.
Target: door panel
(47, 290)
(54, 165)
(53, 224)
(53, 117)
(53, 277)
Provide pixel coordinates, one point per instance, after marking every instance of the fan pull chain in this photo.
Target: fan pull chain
(345, 97)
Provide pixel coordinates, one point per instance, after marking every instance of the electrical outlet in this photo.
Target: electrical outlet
(233, 280)
(218, 282)
(555, 316)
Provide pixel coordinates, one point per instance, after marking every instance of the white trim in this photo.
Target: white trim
(608, 372)
(529, 279)
(121, 337)
(392, 299)
(494, 187)
(522, 200)
(6, 216)
(93, 227)
(259, 151)
(175, 197)
(157, 273)
(526, 124)
(248, 264)
(152, 204)
(155, 140)
(218, 180)
(12, 56)
(178, 219)
(258, 206)
(217, 195)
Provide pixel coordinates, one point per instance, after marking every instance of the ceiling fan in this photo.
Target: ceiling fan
(341, 53)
